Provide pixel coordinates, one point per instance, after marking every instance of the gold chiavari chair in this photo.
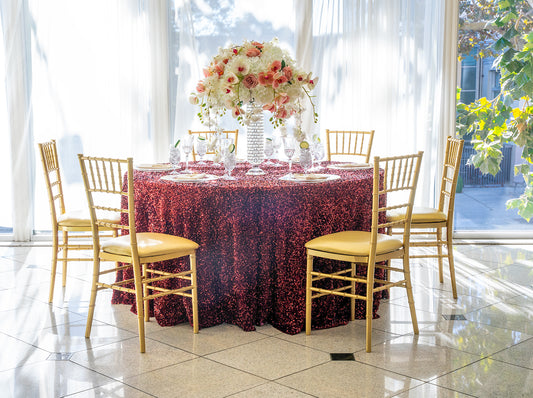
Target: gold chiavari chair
(103, 179)
(353, 143)
(431, 221)
(394, 187)
(74, 225)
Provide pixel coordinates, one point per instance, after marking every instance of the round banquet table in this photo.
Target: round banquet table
(251, 264)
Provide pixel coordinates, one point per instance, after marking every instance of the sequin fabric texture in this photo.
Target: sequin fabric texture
(251, 264)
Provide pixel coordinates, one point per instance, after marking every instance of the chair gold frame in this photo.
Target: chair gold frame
(103, 180)
(371, 249)
(431, 221)
(207, 134)
(74, 225)
(354, 143)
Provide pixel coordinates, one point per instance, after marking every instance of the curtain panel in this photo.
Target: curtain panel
(103, 88)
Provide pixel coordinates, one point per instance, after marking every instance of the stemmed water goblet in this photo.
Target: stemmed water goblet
(269, 151)
(289, 144)
(187, 149)
(174, 157)
(201, 149)
(229, 161)
(318, 154)
(306, 158)
(276, 143)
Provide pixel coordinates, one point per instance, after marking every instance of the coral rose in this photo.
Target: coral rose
(253, 52)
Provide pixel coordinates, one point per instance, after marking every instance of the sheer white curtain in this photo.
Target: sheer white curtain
(90, 75)
(382, 66)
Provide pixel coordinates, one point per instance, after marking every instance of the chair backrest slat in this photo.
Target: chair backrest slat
(345, 142)
(54, 186)
(450, 175)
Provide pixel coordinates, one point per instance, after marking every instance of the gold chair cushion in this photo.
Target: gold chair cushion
(356, 243)
(149, 244)
(81, 218)
(420, 215)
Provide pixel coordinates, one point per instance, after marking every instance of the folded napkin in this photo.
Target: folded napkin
(310, 176)
(194, 176)
(154, 166)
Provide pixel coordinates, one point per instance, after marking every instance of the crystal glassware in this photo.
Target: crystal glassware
(276, 143)
(306, 159)
(201, 149)
(174, 158)
(186, 147)
(289, 144)
(229, 164)
(318, 154)
(269, 151)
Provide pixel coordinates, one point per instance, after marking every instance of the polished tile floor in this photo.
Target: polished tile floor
(487, 351)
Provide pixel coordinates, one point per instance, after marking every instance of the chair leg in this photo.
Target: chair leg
(55, 248)
(308, 293)
(195, 323)
(439, 252)
(65, 256)
(146, 302)
(139, 302)
(352, 291)
(449, 247)
(92, 300)
(369, 302)
(409, 288)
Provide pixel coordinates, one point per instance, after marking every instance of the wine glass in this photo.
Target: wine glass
(289, 144)
(306, 159)
(187, 149)
(269, 151)
(174, 158)
(277, 145)
(201, 149)
(229, 162)
(319, 153)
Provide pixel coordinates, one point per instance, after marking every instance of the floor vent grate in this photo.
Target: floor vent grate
(342, 356)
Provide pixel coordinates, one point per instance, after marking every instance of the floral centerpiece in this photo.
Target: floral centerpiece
(261, 76)
(259, 72)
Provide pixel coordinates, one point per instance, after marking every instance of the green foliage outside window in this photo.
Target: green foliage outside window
(504, 29)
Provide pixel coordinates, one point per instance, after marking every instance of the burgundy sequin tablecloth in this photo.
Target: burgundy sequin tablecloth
(252, 231)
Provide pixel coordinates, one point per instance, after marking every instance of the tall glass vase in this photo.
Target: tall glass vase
(255, 137)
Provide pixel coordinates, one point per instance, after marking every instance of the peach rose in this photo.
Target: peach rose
(287, 71)
(257, 44)
(253, 52)
(250, 81)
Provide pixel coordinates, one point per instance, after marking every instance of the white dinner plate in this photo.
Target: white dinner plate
(195, 177)
(154, 167)
(310, 178)
(350, 166)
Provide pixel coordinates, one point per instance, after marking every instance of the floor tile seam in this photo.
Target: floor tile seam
(499, 327)
(266, 337)
(94, 388)
(444, 388)
(509, 363)
(457, 369)
(25, 342)
(267, 382)
(388, 370)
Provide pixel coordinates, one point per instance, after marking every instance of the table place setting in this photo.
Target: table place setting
(350, 166)
(193, 177)
(154, 167)
(309, 178)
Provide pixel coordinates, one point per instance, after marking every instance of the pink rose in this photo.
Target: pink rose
(276, 66)
(257, 44)
(250, 81)
(287, 71)
(253, 52)
(265, 79)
